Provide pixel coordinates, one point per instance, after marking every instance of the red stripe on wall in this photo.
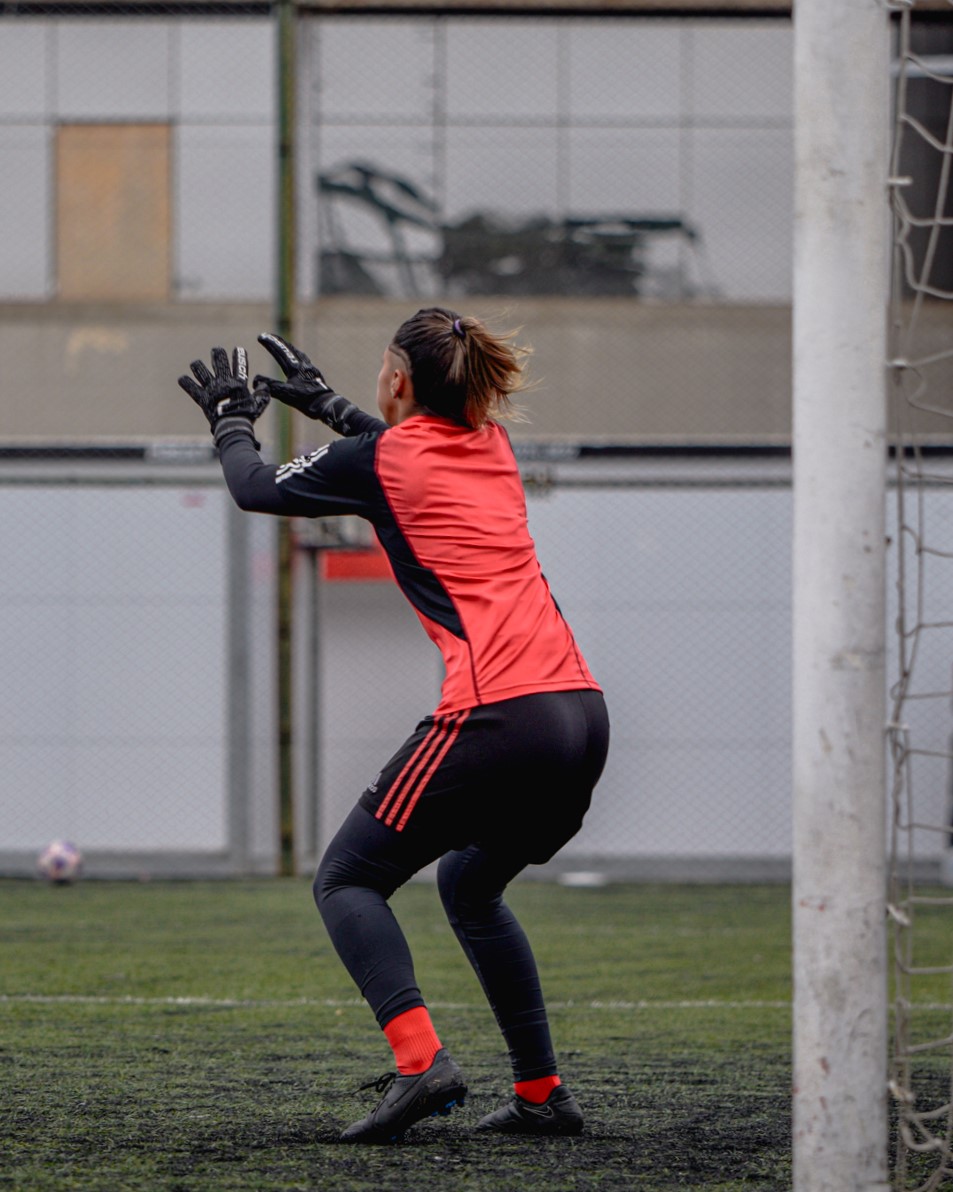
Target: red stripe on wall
(365, 564)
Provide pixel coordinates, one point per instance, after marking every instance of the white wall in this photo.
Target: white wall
(576, 116)
(212, 79)
(119, 679)
(606, 116)
(681, 600)
(113, 639)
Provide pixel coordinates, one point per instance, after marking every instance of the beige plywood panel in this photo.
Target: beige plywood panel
(113, 215)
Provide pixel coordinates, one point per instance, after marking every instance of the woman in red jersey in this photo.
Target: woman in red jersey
(501, 774)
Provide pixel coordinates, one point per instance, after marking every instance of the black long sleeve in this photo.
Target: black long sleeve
(347, 419)
(251, 482)
(335, 479)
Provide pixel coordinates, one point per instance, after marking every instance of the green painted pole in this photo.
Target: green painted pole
(284, 320)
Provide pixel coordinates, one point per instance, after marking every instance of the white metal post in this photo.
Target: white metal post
(839, 703)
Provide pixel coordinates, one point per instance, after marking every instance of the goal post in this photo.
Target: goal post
(841, 258)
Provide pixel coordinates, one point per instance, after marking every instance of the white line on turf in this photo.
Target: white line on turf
(79, 999)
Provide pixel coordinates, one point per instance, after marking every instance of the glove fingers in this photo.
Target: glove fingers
(201, 373)
(220, 364)
(280, 349)
(240, 364)
(287, 355)
(280, 389)
(194, 390)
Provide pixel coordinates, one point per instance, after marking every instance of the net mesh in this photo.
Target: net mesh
(919, 735)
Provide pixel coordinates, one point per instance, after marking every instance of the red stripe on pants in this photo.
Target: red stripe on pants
(391, 805)
(425, 778)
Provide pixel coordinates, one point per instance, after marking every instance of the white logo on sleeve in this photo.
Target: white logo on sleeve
(300, 464)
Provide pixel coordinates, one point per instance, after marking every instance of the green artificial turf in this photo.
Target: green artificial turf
(203, 1036)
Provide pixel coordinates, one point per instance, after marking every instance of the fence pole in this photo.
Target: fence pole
(840, 315)
(284, 319)
(240, 719)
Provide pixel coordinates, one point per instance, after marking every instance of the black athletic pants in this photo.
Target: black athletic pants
(488, 791)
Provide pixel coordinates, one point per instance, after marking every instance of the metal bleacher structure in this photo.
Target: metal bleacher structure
(482, 253)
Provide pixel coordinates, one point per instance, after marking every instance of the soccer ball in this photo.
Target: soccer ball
(60, 863)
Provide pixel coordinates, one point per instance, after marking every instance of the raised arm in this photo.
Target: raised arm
(327, 482)
(306, 390)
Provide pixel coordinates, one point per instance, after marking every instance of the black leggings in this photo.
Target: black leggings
(510, 791)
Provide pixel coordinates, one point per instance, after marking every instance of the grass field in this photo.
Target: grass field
(203, 1036)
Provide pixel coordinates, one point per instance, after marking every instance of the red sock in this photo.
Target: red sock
(537, 1091)
(413, 1040)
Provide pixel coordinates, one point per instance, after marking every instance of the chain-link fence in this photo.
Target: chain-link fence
(618, 186)
(137, 643)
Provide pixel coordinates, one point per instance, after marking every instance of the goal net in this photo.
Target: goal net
(920, 731)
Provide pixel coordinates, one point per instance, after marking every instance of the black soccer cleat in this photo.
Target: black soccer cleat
(558, 1114)
(409, 1099)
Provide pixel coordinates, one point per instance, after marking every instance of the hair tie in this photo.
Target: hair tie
(458, 330)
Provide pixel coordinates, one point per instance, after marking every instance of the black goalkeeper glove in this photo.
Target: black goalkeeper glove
(304, 387)
(224, 398)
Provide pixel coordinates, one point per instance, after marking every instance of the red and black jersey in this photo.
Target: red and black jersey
(447, 504)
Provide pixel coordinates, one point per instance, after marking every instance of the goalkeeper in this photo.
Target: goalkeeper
(501, 774)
